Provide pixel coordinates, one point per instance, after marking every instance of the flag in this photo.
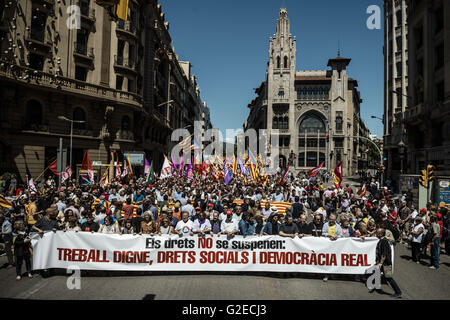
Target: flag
(313, 172)
(104, 181)
(130, 167)
(362, 191)
(118, 171)
(54, 167)
(147, 167)
(186, 143)
(150, 175)
(285, 174)
(338, 175)
(87, 165)
(66, 174)
(228, 175)
(234, 165)
(30, 183)
(125, 171)
(195, 145)
(5, 203)
(166, 169)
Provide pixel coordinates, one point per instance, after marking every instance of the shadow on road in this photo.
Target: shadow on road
(149, 297)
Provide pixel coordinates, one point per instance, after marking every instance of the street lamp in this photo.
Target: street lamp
(375, 117)
(71, 132)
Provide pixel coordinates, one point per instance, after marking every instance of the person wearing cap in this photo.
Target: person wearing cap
(229, 226)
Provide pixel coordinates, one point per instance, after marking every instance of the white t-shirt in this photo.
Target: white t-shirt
(206, 225)
(419, 237)
(185, 227)
(228, 226)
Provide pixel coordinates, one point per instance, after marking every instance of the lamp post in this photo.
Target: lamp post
(71, 132)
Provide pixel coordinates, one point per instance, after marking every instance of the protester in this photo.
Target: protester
(22, 247)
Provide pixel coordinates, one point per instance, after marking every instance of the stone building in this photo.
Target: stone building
(121, 79)
(395, 85)
(316, 112)
(427, 116)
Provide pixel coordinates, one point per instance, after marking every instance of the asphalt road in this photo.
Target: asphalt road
(416, 281)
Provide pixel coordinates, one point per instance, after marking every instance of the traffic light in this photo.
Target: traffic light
(430, 172)
(424, 178)
(381, 169)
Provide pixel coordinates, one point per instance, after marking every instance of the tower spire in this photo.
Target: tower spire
(339, 48)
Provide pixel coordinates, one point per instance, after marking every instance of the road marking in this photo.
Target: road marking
(38, 286)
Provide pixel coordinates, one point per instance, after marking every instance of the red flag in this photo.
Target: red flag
(338, 175)
(66, 174)
(283, 179)
(87, 165)
(362, 191)
(118, 171)
(54, 167)
(313, 172)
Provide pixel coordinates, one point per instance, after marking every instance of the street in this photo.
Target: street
(416, 281)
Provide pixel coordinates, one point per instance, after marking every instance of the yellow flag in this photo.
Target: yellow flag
(122, 10)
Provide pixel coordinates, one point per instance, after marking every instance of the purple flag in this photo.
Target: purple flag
(147, 167)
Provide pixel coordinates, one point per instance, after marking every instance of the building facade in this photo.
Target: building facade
(427, 116)
(316, 112)
(121, 82)
(395, 85)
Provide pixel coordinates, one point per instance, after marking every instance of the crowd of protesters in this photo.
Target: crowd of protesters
(202, 207)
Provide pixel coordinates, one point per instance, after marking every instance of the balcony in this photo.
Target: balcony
(398, 31)
(125, 63)
(48, 81)
(83, 53)
(126, 28)
(83, 132)
(86, 13)
(398, 57)
(35, 38)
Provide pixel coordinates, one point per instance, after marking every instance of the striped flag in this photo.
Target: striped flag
(87, 165)
(66, 174)
(338, 175)
(186, 143)
(118, 171)
(362, 191)
(313, 172)
(5, 203)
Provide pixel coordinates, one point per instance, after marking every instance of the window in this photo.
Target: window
(301, 159)
(281, 94)
(80, 73)
(82, 41)
(119, 82)
(275, 123)
(299, 94)
(38, 22)
(130, 85)
(311, 159)
(339, 143)
(325, 93)
(120, 48)
(439, 57)
(285, 62)
(439, 20)
(36, 61)
(125, 123)
(278, 62)
(33, 117)
(440, 92)
(339, 121)
(312, 123)
(286, 123)
(79, 115)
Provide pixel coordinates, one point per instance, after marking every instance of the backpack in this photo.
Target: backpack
(428, 236)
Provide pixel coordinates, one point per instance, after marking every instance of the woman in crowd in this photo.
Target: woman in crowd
(128, 228)
(149, 226)
(72, 225)
(371, 229)
(22, 247)
(417, 234)
(109, 227)
(165, 227)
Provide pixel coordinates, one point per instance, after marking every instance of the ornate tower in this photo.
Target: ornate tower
(280, 80)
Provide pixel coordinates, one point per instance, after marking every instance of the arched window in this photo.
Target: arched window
(278, 62)
(285, 62)
(78, 114)
(125, 123)
(312, 123)
(33, 116)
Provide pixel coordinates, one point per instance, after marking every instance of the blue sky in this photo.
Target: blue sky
(227, 43)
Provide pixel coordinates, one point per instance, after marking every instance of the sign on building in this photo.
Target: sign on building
(443, 191)
(136, 158)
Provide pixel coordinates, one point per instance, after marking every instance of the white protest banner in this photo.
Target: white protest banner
(95, 251)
